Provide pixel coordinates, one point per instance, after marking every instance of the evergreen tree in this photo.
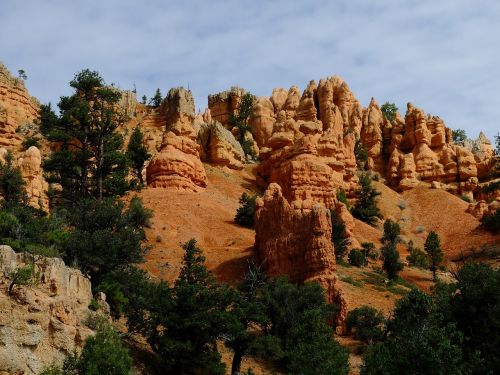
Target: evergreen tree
(299, 316)
(246, 212)
(472, 303)
(360, 154)
(137, 153)
(458, 136)
(418, 342)
(144, 99)
(155, 101)
(88, 161)
(339, 236)
(104, 354)
(12, 185)
(367, 323)
(249, 320)
(104, 236)
(240, 120)
(389, 111)
(390, 239)
(434, 252)
(366, 208)
(185, 321)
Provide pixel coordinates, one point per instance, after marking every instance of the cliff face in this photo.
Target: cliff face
(43, 322)
(17, 108)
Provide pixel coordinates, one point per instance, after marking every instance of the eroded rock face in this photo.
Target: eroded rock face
(178, 163)
(225, 103)
(17, 108)
(30, 163)
(296, 241)
(220, 146)
(42, 323)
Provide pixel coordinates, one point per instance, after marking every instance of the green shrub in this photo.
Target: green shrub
(342, 197)
(94, 305)
(357, 258)
(245, 213)
(31, 141)
(417, 257)
(367, 323)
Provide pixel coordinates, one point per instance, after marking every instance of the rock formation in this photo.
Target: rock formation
(17, 108)
(219, 145)
(178, 163)
(296, 242)
(30, 163)
(44, 322)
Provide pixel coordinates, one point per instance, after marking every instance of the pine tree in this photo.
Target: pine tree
(435, 253)
(185, 321)
(249, 320)
(88, 161)
(390, 239)
(137, 153)
(366, 208)
(155, 101)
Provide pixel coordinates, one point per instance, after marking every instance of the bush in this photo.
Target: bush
(357, 258)
(367, 322)
(342, 197)
(30, 141)
(417, 257)
(245, 213)
(22, 276)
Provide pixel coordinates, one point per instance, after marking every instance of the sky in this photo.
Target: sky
(441, 55)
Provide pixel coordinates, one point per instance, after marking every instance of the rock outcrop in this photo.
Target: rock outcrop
(296, 241)
(17, 108)
(178, 163)
(42, 323)
(219, 145)
(30, 164)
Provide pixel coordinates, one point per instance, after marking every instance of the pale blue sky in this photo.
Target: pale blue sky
(442, 55)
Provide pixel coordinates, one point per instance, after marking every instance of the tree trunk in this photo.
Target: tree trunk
(236, 366)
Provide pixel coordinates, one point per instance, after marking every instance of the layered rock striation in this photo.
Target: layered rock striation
(42, 323)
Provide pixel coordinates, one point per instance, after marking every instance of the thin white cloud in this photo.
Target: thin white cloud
(441, 55)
